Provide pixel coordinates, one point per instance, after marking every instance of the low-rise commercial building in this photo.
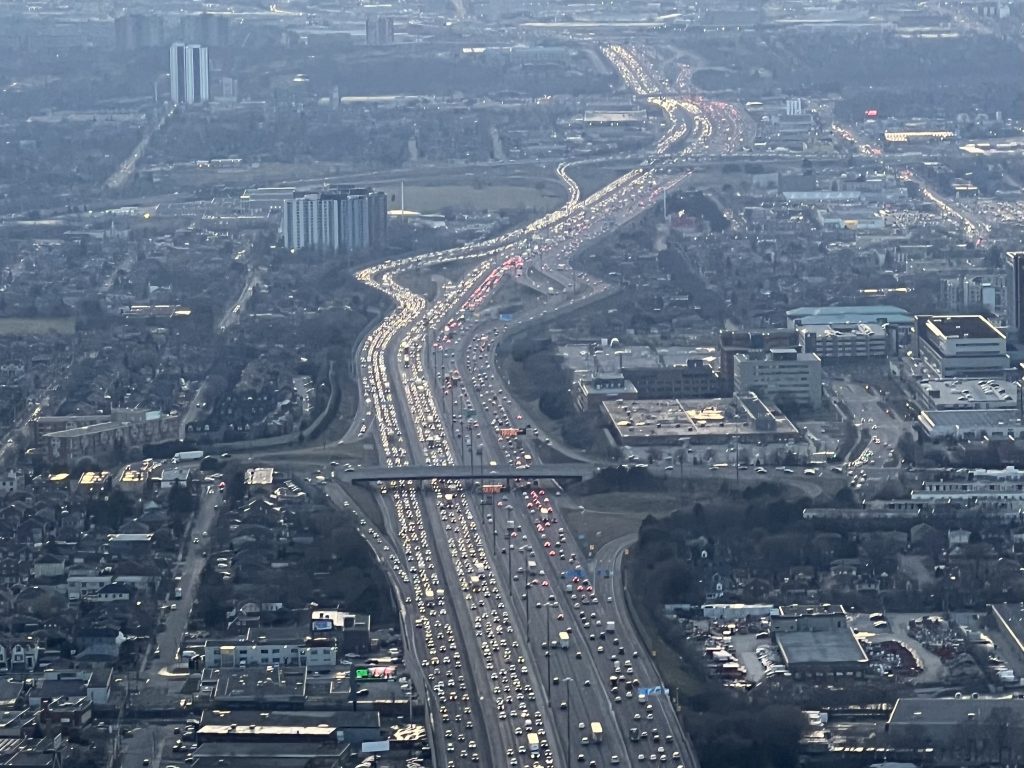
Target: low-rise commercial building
(959, 730)
(709, 421)
(818, 644)
(256, 651)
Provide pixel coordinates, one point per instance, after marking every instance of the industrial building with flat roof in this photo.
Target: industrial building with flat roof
(818, 643)
(955, 727)
(708, 421)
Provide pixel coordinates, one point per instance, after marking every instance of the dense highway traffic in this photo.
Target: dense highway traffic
(480, 580)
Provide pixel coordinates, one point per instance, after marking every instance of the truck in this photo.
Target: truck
(596, 732)
(188, 456)
(609, 626)
(634, 734)
(563, 640)
(533, 740)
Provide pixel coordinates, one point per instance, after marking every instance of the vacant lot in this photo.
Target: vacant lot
(478, 195)
(29, 326)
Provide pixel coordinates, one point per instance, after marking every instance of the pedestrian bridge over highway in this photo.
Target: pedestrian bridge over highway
(501, 472)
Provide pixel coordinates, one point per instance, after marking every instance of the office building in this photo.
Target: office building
(591, 391)
(783, 375)
(1015, 294)
(960, 346)
(338, 219)
(693, 379)
(190, 74)
(380, 30)
(137, 30)
(730, 343)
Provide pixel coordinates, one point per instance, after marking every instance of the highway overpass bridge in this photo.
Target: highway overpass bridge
(500, 473)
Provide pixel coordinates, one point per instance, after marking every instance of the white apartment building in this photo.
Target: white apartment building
(312, 652)
(338, 219)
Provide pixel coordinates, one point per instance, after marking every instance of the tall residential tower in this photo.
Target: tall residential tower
(190, 74)
(336, 219)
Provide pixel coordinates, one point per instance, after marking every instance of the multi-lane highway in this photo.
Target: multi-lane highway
(486, 586)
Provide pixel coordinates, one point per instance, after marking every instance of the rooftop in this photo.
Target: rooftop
(962, 327)
(841, 330)
(970, 419)
(1010, 617)
(948, 394)
(259, 683)
(951, 712)
(342, 718)
(673, 421)
(845, 314)
(259, 476)
(836, 646)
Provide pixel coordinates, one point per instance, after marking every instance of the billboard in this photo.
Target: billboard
(323, 625)
(371, 674)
